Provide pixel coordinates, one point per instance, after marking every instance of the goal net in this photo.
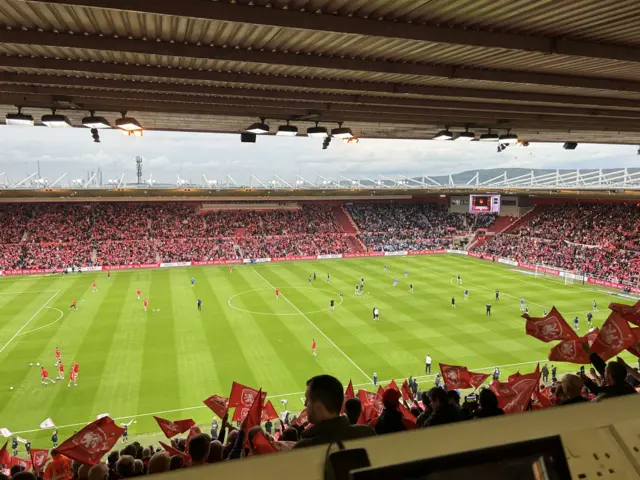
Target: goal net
(568, 279)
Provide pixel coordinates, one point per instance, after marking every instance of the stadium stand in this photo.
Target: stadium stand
(598, 240)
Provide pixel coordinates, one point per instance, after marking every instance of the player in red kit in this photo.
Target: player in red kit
(73, 305)
(58, 356)
(313, 347)
(73, 378)
(138, 293)
(60, 372)
(45, 376)
(277, 294)
(146, 304)
(230, 268)
(109, 274)
(94, 286)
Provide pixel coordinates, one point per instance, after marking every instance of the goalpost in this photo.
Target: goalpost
(568, 279)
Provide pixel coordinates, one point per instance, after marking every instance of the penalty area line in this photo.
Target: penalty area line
(314, 326)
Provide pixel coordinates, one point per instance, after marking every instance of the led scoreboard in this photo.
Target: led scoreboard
(484, 203)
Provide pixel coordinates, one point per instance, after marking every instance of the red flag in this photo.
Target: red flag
(262, 445)
(591, 336)
(174, 451)
(92, 442)
(26, 464)
(407, 395)
(634, 349)
(407, 415)
(455, 377)
(477, 379)
(302, 418)
(544, 397)
(570, 351)
(371, 403)
(4, 455)
(549, 328)
(243, 395)
(393, 386)
(219, 405)
(614, 337)
(171, 429)
(269, 412)
(514, 396)
(253, 416)
(631, 313)
(348, 393)
(39, 457)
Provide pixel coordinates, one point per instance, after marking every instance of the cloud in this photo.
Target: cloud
(190, 155)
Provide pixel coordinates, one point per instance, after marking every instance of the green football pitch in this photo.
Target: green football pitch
(165, 362)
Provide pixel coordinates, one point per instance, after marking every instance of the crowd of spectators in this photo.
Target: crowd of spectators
(331, 418)
(596, 240)
(63, 235)
(412, 226)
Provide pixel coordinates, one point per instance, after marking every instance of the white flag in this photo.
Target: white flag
(101, 415)
(127, 424)
(22, 440)
(5, 432)
(48, 423)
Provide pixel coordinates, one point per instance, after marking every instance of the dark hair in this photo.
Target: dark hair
(23, 475)
(215, 452)
(328, 391)
(176, 462)
(129, 450)
(353, 409)
(454, 396)
(113, 457)
(437, 393)
(199, 447)
(487, 399)
(126, 466)
(415, 411)
(617, 372)
(289, 435)
(426, 401)
(16, 469)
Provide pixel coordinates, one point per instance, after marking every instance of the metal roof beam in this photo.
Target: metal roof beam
(63, 67)
(183, 50)
(111, 88)
(275, 17)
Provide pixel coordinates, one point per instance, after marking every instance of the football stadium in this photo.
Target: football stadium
(483, 323)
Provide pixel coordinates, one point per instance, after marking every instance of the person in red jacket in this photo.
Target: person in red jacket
(277, 294)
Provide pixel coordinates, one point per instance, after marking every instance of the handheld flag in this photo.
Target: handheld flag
(48, 423)
(242, 395)
(92, 442)
(614, 337)
(39, 458)
(171, 429)
(549, 328)
(219, 405)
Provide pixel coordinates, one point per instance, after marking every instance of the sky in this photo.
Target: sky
(168, 155)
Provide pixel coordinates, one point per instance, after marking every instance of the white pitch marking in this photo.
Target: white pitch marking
(314, 325)
(29, 321)
(48, 324)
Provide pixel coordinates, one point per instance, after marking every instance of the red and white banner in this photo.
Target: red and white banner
(330, 256)
(458, 252)
(92, 269)
(256, 260)
(426, 252)
(133, 266)
(294, 257)
(176, 264)
(395, 254)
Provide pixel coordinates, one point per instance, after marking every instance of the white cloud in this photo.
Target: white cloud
(167, 154)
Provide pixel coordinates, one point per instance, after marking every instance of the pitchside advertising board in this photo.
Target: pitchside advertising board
(484, 203)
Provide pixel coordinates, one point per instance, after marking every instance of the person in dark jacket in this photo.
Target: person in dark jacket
(443, 411)
(353, 409)
(427, 410)
(324, 398)
(488, 405)
(614, 375)
(570, 390)
(390, 420)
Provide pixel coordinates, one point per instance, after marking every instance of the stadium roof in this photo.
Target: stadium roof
(550, 71)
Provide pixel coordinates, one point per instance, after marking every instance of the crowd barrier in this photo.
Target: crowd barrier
(505, 261)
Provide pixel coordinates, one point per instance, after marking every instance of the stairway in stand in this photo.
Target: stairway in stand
(525, 219)
(349, 227)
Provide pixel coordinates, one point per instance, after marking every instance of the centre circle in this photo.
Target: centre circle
(253, 312)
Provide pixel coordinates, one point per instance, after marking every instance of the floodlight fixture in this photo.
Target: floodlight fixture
(19, 119)
(55, 121)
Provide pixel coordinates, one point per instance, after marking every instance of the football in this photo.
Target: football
(31, 364)
(10, 388)
(37, 364)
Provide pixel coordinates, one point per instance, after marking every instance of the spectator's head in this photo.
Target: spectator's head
(83, 472)
(215, 452)
(199, 448)
(75, 466)
(113, 458)
(353, 408)
(159, 463)
(99, 472)
(289, 435)
(415, 411)
(615, 373)
(24, 476)
(438, 398)
(125, 466)
(571, 386)
(16, 469)
(324, 398)
(391, 399)
(129, 450)
(454, 397)
(231, 438)
(487, 399)
(146, 452)
(138, 466)
(426, 401)
(176, 462)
